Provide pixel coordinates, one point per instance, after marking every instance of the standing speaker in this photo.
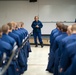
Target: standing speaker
(33, 0)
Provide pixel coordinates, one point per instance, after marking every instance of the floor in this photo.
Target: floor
(37, 62)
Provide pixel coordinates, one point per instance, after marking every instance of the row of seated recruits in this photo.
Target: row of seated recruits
(62, 55)
(11, 34)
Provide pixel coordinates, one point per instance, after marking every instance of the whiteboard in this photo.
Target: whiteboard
(57, 12)
(48, 10)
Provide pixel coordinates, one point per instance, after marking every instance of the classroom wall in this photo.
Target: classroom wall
(47, 10)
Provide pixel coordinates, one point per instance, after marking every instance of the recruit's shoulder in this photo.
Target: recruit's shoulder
(54, 30)
(13, 35)
(65, 39)
(56, 33)
(6, 45)
(11, 38)
(58, 37)
(63, 35)
(71, 46)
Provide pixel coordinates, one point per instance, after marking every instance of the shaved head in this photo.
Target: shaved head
(64, 28)
(14, 25)
(59, 25)
(0, 32)
(74, 27)
(0, 29)
(5, 28)
(69, 31)
(22, 24)
(10, 25)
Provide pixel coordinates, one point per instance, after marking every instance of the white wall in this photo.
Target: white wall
(48, 10)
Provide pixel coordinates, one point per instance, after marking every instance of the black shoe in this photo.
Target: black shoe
(41, 45)
(49, 71)
(36, 45)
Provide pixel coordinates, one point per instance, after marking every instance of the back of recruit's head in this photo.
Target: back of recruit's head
(5, 28)
(59, 25)
(0, 32)
(64, 28)
(10, 25)
(74, 27)
(69, 30)
(21, 24)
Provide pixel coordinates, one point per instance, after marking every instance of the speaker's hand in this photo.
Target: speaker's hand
(37, 26)
(60, 70)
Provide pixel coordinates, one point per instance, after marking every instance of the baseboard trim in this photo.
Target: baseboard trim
(39, 44)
